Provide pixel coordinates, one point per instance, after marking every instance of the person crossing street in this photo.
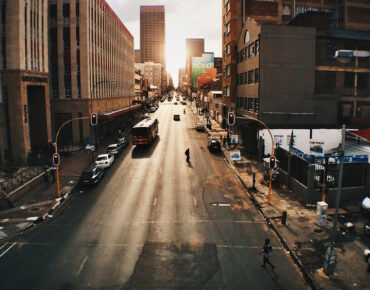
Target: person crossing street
(267, 252)
(187, 153)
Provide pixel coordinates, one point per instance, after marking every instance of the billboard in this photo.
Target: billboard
(199, 65)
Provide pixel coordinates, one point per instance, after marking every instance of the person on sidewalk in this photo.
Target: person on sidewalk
(187, 153)
(221, 138)
(267, 252)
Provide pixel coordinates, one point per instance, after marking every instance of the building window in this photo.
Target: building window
(349, 79)
(257, 47)
(67, 38)
(250, 76)
(330, 80)
(250, 104)
(227, 28)
(227, 91)
(242, 78)
(257, 75)
(256, 105)
(362, 81)
(228, 49)
(246, 36)
(228, 70)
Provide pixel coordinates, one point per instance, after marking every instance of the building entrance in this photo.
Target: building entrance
(37, 117)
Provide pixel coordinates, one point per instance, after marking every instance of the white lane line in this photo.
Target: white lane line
(81, 266)
(7, 250)
(195, 200)
(155, 201)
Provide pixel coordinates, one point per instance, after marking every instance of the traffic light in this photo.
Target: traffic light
(272, 162)
(56, 159)
(94, 119)
(231, 119)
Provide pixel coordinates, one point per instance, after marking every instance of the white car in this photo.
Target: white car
(104, 160)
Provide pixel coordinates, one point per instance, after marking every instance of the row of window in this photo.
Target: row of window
(248, 104)
(249, 51)
(330, 80)
(249, 77)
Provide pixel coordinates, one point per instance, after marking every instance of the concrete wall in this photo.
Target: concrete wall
(287, 73)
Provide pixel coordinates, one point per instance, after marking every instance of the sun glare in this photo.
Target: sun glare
(175, 53)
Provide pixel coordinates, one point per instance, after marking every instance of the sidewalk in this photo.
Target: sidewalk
(302, 237)
(40, 203)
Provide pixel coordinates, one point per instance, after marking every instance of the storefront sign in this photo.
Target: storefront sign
(234, 139)
(34, 79)
(235, 155)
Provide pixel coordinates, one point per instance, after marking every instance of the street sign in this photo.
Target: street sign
(234, 139)
(235, 155)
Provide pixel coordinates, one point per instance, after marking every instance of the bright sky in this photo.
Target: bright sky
(184, 19)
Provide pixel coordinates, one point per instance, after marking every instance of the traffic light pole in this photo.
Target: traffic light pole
(56, 147)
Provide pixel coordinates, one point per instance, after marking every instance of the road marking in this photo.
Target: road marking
(7, 250)
(195, 200)
(81, 266)
(3, 245)
(155, 201)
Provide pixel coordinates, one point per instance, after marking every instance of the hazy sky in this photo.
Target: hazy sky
(184, 19)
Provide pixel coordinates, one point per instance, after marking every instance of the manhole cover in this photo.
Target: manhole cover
(34, 209)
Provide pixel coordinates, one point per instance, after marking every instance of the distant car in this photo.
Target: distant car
(176, 117)
(122, 141)
(200, 127)
(104, 161)
(114, 149)
(214, 145)
(91, 176)
(152, 109)
(175, 103)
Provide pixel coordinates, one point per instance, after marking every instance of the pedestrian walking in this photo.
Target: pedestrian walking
(224, 141)
(221, 138)
(187, 153)
(267, 252)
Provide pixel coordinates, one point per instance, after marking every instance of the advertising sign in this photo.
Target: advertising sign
(199, 65)
(316, 148)
(235, 155)
(234, 140)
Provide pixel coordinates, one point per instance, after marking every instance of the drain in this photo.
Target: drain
(35, 209)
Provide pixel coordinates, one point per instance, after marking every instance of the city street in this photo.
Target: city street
(154, 222)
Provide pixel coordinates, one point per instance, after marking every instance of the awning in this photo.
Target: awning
(111, 114)
(363, 134)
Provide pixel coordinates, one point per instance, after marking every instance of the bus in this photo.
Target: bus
(145, 132)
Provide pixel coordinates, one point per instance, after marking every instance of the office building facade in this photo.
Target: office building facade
(194, 48)
(91, 64)
(24, 81)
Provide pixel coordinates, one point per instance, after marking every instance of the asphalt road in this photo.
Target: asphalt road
(154, 222)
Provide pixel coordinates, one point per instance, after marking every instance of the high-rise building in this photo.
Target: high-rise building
(24, 80)
(153, 36)
(91, 65)
(194, 48)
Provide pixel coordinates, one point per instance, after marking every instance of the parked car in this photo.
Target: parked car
(146, 116)
(183, 102)
(214, 145)
(122, 141)
(152, 109)
(175, 103)
(200, 127)
(114, 149)
(91, 176)
(104, 161)
(176, 117)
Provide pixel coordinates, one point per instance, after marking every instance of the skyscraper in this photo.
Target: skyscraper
(194, 48)
(152, 34)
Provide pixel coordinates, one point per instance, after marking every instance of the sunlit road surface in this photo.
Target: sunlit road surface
(153, 223)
